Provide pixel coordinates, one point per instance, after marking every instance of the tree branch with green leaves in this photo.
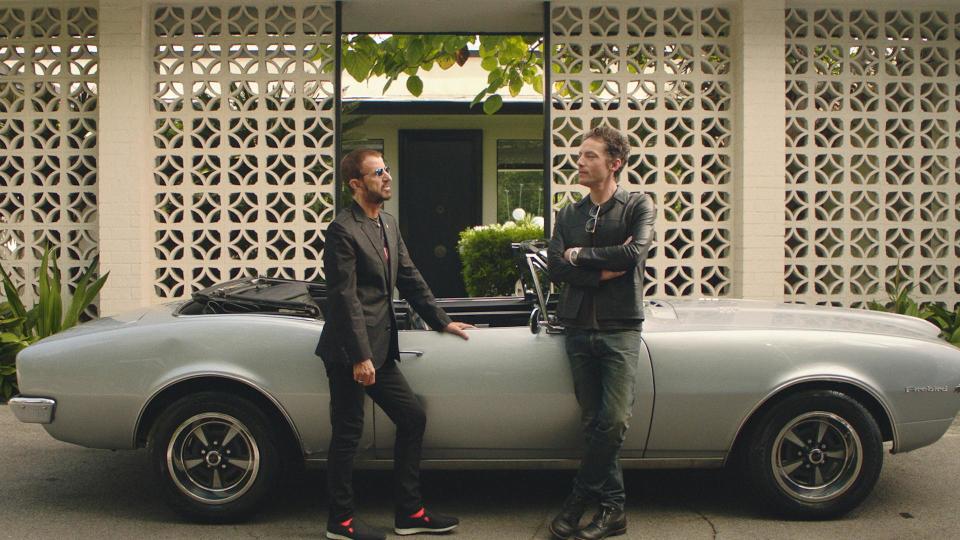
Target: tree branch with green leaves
(511, 61)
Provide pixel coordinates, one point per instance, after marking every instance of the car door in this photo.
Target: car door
(504, 394)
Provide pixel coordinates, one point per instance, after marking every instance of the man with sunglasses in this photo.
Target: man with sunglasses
(364, 258)
(597, 253)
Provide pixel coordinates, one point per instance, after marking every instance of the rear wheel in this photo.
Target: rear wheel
(815, 455)
(215, 456)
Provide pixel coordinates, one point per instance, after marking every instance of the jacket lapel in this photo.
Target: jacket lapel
(392, 235)
(372, 232)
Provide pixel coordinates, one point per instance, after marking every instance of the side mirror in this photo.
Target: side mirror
(535, 257)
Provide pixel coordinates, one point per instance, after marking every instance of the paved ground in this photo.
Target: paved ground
(50, 489)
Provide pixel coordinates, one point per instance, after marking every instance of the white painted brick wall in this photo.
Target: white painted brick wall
(759, 194)
(124, 174)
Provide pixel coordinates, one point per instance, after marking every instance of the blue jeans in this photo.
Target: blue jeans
(604, 366)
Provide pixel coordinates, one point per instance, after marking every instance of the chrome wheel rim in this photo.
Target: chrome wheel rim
(816, 457)
(212, 458)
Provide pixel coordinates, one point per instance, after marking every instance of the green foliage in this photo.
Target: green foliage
(488, 267)
(900, 302)
(511, 61)
(20, 326)
(948, 322)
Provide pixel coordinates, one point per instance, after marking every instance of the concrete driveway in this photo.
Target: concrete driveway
(50, 489)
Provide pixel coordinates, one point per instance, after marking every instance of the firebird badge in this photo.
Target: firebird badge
(930, 388)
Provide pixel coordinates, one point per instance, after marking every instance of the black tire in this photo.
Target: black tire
(814, 455)
(215, 456)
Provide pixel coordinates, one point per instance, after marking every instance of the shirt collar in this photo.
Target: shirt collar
(620, 195)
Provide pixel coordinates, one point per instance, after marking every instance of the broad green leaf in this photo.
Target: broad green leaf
(43, 318)
(10, 321)
(955, 337)
(8, 337)
(13, 296)
(478, 98)
(357, 64)
(413, 53)
(537, 83)
(492, 104)
(489, 63)
(516, 84)
(415, 85)
(366, 41)
(446, 61)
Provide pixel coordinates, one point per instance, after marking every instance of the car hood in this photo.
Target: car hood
(113, 322)
(747, 314)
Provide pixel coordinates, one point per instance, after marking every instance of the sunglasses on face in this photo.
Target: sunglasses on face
(379, 171)
(591, 225)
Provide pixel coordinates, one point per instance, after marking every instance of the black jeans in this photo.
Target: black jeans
(604, 366)
(392, 394)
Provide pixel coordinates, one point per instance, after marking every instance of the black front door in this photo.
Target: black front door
(440, 195)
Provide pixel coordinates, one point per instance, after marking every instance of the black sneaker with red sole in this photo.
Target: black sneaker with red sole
(353, 529)
(424, 521)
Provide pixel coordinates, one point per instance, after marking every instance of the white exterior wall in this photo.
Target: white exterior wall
(758, 257)
(747, 234)
(125, 174)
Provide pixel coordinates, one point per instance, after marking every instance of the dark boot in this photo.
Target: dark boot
(567, 522)
(608, 521)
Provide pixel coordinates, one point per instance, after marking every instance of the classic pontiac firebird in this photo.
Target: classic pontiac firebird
(224, 390)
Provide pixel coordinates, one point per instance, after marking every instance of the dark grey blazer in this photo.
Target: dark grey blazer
(630, 215)
(360, 322)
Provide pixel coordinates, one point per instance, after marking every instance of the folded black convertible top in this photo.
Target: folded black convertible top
(262, 294)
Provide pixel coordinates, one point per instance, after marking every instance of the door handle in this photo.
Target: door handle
(418, 354)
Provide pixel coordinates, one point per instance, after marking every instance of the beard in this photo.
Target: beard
(374, 197)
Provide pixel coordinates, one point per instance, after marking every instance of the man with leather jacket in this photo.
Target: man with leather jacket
(597, 253)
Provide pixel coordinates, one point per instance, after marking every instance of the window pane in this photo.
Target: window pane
(373, 144)
(519, 189)
(520, 154)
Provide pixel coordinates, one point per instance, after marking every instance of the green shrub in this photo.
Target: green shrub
(20, 326)
(948, 321)
(488, 267)
(900, 302)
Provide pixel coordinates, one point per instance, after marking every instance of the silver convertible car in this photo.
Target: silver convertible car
(225, 392)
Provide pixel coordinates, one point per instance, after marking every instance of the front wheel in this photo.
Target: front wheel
(215, 456)
(815, 455)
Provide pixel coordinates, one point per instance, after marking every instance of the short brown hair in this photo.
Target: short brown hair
(615, 143)
(351, 166)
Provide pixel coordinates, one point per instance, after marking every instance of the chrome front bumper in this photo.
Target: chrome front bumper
(33, 410)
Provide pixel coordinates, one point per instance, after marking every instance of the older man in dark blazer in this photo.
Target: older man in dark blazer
(364, 259)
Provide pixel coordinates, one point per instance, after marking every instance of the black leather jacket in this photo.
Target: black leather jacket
(631, 215)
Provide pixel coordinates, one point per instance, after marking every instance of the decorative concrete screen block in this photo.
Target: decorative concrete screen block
(243, 130)
(48, 140)
(663, 77)
(873, 131)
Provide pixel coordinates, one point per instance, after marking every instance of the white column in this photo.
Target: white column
(124, 133)
(759, 183)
